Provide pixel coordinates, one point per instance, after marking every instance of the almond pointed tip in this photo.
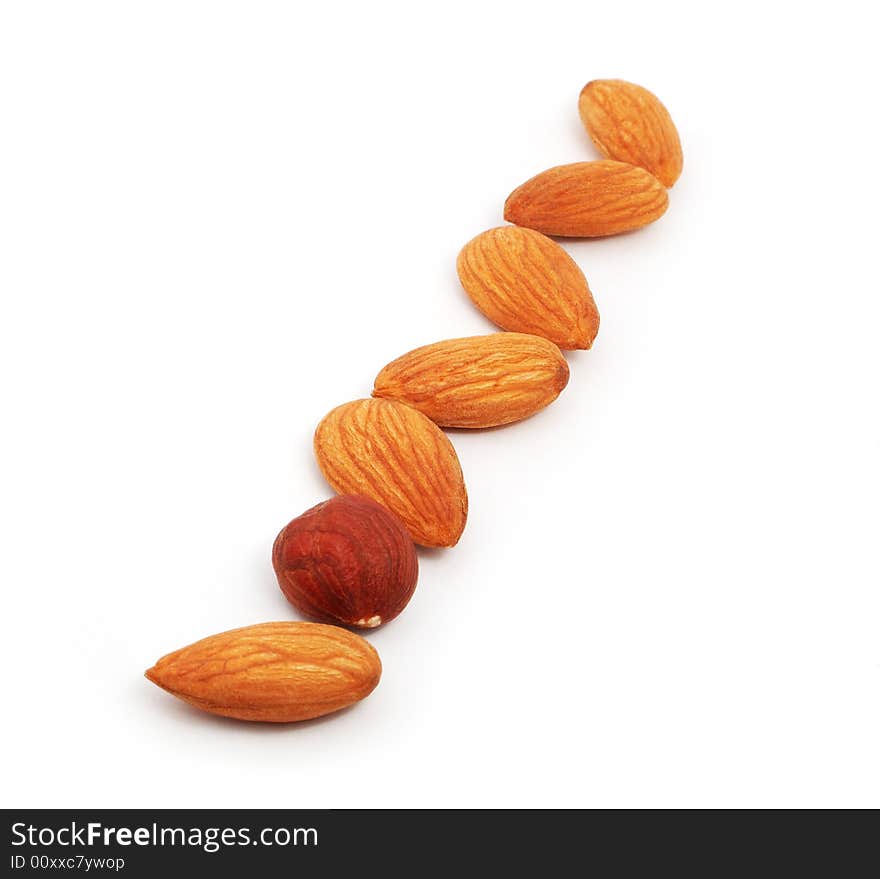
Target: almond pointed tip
(444, 541)
(451, 540)
(582, 340)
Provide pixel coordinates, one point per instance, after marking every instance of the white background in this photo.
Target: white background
(219, 220)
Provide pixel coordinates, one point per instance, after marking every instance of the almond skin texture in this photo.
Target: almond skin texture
(587, 200)
(347, 560)
(525, 282)
(273, 672)
(399, 458)
(480, 381)
(629, 124)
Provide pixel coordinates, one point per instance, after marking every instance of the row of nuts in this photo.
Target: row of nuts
(351, 560)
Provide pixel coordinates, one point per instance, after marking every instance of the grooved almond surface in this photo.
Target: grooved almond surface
(630, 124)
(274, 672)
(587, 200)
(525, 282)
(479, 381)
(399, 458)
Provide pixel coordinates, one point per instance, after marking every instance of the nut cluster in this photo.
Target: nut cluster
(351, 560)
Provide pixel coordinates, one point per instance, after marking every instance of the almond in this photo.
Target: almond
(629, 124)
(399, 458)
(275, 672)
(347, 560)
(587, 200)
(480, 381)
(525, 282)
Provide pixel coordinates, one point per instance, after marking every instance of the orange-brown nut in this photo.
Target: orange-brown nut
(274, 672)
(630, 124)
(588, 200)
(399, 458)
(525, 282)
(480, 381)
